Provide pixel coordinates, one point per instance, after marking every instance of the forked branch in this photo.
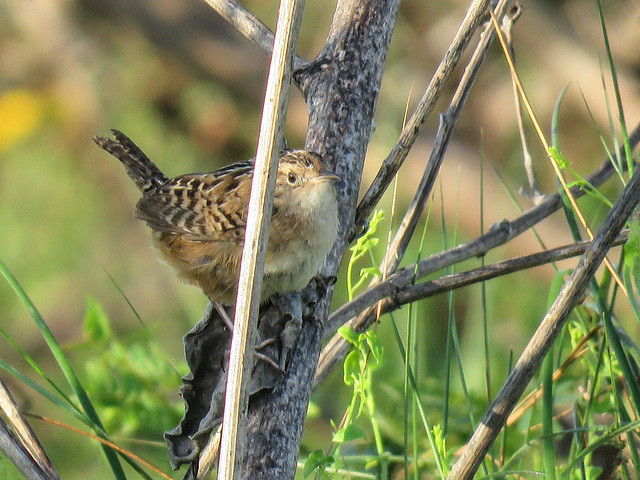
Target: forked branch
(541, 342)
(475, 14)
(503, 232)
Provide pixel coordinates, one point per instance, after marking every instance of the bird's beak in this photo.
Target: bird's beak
(326, 175)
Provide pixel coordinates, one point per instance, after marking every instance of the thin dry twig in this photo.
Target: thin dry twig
(16, 453)
(412, 293)
(356, 311)
(208, 457)
(533, 192)
(488, 272)
(390, 166)
(248, 25)
(549, 328)
(447, 124)
(547, 149)
(24, 431)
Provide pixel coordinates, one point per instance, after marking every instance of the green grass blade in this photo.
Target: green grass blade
(555, 138)
(631, 439)
(447, 362)
(423, 415)
(631, 268)
(65, 366)
(623, 361)
(45, 393)
(38, 370)
(144, 325)
(549, 456)
(616, 89)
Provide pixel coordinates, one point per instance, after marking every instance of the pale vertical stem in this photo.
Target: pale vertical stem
(258, 221)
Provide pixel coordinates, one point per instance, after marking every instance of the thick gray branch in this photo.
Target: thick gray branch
(341, 93)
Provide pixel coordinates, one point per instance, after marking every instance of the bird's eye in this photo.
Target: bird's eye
(292, 178)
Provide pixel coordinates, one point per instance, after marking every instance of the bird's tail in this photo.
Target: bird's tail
(138, 166)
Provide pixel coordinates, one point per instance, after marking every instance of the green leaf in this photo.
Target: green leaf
(313, 410)
(375, 345)
(315, 460)
(369, 243)
(590, 472)
(582, 184)
(351, 367)
(370, 272)
(374, 462)
(96, 322)
(349, 334)
(558, 157)
(348, 434)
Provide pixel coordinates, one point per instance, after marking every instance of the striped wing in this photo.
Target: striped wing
(201, 207)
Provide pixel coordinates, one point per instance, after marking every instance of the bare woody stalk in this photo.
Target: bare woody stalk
(27, 438)
(248, 25)
(341, 88)
(338, 346)
(270, 143)
(12, 448)
(395, 284)
(475, 13)
(543, 339)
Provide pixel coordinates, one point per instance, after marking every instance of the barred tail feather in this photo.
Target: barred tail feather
(140, 169)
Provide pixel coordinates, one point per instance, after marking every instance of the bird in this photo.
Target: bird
(198, 220)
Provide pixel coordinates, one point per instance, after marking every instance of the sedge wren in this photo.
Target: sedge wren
(198, 220)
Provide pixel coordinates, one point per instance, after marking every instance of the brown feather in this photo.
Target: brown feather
(198, 220)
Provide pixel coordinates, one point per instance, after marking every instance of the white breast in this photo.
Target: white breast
(291, 272)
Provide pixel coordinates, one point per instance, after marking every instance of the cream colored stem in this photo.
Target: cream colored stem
(252, 266)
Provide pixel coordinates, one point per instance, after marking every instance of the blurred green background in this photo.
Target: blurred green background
(187, 89)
